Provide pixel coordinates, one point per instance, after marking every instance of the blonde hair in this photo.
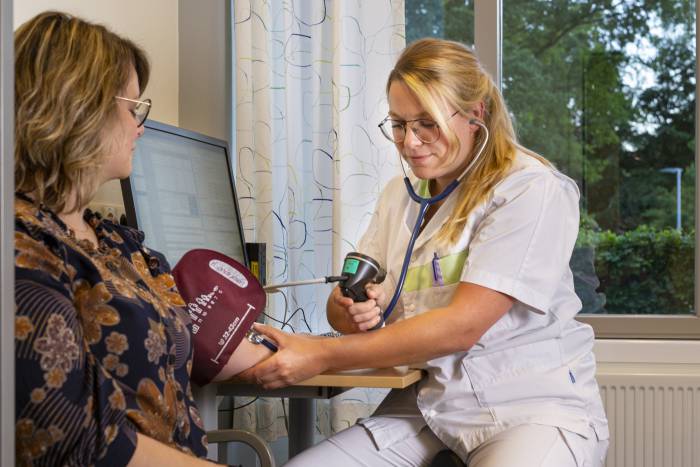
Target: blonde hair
(67, 74)
(443, 73)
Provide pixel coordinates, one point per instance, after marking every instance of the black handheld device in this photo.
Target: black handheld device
(359, 270)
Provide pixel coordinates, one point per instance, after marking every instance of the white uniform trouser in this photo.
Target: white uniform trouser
(521, 446)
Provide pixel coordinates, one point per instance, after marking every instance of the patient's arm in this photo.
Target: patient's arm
(245, 356)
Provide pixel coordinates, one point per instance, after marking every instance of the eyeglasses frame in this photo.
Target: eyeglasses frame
(405, 125)
(147, 102)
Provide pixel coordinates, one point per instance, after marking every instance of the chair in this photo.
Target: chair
(241, 436)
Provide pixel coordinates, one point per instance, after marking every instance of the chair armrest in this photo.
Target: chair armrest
(241, 436)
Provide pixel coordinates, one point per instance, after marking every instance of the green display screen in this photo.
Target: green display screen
(351, 265)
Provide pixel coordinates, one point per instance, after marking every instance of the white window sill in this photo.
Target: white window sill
(647, 351)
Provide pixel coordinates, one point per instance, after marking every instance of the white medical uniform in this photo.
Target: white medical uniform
(535, 365)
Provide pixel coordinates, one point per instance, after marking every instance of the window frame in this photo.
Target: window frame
(488, 39)
(7, 257)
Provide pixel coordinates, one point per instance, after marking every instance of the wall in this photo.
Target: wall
(7, 261)
(205, 98)
(151, 24)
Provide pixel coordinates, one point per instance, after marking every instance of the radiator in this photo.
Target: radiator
(654, 414)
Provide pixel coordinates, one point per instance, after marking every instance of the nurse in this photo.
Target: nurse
(488, 303)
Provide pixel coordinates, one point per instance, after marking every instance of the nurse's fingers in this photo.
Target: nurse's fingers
(365, 315)
(375, 291)
(267, 373)
(340, 299)
(372, 322)
(278, 375)
(269, 379)
(359, 308)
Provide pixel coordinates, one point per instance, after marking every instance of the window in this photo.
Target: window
(606, 90)
(448, 19)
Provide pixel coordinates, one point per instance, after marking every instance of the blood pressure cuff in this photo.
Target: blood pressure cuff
(223, 299)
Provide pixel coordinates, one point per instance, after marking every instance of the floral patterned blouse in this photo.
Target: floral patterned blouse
(102, 345)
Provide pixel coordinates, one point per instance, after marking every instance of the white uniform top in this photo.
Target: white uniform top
(535, 364)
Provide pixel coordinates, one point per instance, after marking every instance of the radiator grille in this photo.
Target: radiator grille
(654, 414)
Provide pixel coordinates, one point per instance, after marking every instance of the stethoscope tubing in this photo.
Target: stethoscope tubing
(425, 203)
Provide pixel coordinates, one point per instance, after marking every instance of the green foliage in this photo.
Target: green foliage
(641, 271)
(605, 89)
(425, 18)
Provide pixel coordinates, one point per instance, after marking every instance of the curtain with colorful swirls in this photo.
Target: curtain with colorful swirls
(310, 81)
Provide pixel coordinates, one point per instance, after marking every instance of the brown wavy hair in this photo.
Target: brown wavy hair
(67, 73)
(443, 73)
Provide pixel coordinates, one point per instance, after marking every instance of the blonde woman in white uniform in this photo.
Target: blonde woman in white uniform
(488, 302)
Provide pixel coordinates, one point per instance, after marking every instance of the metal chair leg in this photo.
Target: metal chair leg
(251, 439)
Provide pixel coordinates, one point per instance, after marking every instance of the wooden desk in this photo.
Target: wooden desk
(302, 409)
(367, 378)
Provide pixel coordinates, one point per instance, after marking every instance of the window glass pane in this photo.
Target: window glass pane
(448, 19)
(606, 90)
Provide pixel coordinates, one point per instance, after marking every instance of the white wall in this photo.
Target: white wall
(205, 100)
(153, 25)
(7, 261)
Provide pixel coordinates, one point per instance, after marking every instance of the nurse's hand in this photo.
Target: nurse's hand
(361, 316)
(299, 357)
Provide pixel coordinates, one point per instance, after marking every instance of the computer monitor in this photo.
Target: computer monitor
(181, 194)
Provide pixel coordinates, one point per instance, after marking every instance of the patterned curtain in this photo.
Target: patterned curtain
(310, 77)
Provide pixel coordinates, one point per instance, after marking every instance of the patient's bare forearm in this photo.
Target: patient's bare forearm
(245, 356)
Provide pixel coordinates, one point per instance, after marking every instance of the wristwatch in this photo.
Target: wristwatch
(256, 338)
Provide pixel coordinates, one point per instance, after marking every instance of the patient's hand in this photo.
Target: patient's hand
(245, 356)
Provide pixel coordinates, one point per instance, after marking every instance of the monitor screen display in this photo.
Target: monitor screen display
(181, 194)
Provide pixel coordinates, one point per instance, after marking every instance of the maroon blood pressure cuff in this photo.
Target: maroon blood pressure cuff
(223, 299)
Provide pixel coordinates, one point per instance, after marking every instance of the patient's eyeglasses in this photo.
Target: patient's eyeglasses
(140, 110)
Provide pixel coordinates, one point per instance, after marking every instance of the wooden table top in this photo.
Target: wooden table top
(399, 377)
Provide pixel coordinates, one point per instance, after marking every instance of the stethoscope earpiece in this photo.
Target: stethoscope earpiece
(478, 123)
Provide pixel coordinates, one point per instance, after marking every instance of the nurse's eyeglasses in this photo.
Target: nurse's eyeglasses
(425, 129)
(140, 110)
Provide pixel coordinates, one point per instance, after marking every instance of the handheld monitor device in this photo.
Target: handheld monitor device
(359, 270)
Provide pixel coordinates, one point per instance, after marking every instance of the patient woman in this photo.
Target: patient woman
(103, 345)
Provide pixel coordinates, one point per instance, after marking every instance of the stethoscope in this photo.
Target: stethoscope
(425, 203)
